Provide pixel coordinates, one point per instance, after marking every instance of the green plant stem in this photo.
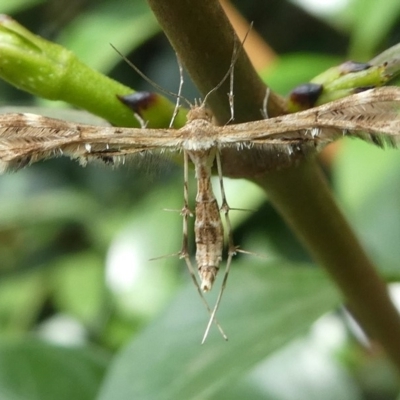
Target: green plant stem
(203, 39)
(48, 70)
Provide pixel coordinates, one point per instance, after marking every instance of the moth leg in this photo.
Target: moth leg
(231, 246)
(184, 253)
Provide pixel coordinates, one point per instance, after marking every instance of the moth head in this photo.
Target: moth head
(199, 112)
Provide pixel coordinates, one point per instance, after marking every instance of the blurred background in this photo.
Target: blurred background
(85, 314)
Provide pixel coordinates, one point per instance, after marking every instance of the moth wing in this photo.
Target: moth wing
(373, 115)
(28, 138)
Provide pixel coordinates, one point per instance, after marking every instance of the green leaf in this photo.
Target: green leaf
(14, 6)
(368, 182)
(79, 286)
(20, 301)
(292, 69)
(46, 69)
(262, 310)
(316, 373)
(372, 21)
(34, 370)
(125, 25)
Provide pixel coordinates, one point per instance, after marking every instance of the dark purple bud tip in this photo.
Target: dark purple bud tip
(353, 66)
(138, 101)
(306, 95)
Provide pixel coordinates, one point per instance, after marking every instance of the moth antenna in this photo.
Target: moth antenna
(148, 80)
(179, 94)
(231, 246)
(235, 55)
(231, 95)
(185, 252)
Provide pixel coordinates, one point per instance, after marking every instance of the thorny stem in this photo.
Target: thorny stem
(203, 39)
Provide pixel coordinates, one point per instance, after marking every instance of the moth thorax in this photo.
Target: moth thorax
(207, 275)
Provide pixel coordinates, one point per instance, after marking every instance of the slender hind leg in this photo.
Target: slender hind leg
(231, 247)
(186, 213)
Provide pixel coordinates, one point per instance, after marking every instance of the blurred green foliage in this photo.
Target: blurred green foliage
(75, 243)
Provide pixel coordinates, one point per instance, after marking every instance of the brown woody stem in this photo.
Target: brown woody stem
(303, 197)
(204, 41)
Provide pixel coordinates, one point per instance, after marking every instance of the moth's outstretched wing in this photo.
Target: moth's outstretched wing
(27, 138)
(373, 115)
